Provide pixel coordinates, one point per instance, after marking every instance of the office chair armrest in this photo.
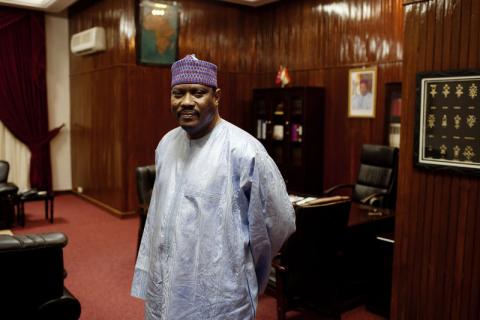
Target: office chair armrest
(374, 198)
(338, 186)
(32, 241)
(277, 264)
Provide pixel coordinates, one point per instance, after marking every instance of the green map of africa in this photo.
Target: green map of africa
(159, 38)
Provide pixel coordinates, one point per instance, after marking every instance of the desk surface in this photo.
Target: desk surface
(363, 214)
(360, 214)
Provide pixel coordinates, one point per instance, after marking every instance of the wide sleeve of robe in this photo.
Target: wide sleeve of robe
(271, 218)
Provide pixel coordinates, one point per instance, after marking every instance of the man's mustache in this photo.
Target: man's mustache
(187, 111)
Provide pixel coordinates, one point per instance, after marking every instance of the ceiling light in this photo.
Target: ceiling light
(44, 5)
(31, 3)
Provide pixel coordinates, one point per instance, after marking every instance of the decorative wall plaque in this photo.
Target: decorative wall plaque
(448, 121)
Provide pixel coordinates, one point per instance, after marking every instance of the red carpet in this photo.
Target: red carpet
(100, 258)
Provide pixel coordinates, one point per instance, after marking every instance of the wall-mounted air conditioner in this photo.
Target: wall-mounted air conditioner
(88, 41)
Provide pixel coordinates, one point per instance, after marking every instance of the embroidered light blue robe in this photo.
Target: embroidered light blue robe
(218, 214)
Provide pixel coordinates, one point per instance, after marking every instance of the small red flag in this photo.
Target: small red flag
(283, 78)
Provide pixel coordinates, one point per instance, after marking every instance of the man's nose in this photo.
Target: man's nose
(187, 100)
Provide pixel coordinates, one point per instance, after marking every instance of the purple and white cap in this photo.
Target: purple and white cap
(192, 70)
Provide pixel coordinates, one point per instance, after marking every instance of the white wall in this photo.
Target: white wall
(58, 95)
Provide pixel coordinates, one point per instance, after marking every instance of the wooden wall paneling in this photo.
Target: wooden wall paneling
(357, 33)
(109, 137)
(417, 243)
(474, 60)
(217, 32)
(467, 304)
(463, 50)
(336, 140)
(117, 17)
(256, 41)
(439, 217)
(474, 311)
(148, 119)
(423, 295)
(406, 196)
(98, 135)
(81, 119)
(243, 88)
(226, 82)
(103, 146)
(317, 38)
(436, 263)
(450, 60)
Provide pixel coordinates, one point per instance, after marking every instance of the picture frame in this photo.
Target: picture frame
(447, 121)
(362, 92)
(157, 32)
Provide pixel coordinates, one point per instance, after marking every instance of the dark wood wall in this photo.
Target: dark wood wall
(319, 41)
(437, 257)
(120, 109)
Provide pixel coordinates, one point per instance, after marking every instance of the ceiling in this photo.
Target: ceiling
(60, 5)
(44, 5)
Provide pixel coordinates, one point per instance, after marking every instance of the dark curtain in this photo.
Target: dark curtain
(23, 91)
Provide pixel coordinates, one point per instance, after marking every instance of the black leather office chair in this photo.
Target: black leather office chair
(377, 177)
(8, 192)
(145, 182)
(4, 170)
(308, 269)
(31, 278)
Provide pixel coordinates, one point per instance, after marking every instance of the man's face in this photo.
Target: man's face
(196, 108)
(363, 88)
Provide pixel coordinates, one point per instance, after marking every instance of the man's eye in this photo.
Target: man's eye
(199, 94)
(177, 94)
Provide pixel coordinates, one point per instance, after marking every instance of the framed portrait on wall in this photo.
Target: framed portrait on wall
(157, 32)
(362, 92)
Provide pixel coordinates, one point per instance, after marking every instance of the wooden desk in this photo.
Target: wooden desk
(361, 214)
(361, 251)
(380, 281)
(355, 258)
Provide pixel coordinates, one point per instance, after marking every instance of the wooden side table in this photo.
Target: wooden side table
(47, 197)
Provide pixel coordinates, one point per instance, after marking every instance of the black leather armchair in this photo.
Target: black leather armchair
(31, 276)
(8, 192)
(145, 182)
(377, 177)
(308, 269)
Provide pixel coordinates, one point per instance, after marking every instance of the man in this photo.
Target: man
(363, 101)
(218, 214)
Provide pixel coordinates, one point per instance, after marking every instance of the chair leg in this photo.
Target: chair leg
(46, 209)
(280, 295)
(21, 213)
(51, 209)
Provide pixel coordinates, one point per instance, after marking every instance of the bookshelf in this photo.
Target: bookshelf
(393, 103)
(289, 123)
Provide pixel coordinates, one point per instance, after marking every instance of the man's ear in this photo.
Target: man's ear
(216, 96)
